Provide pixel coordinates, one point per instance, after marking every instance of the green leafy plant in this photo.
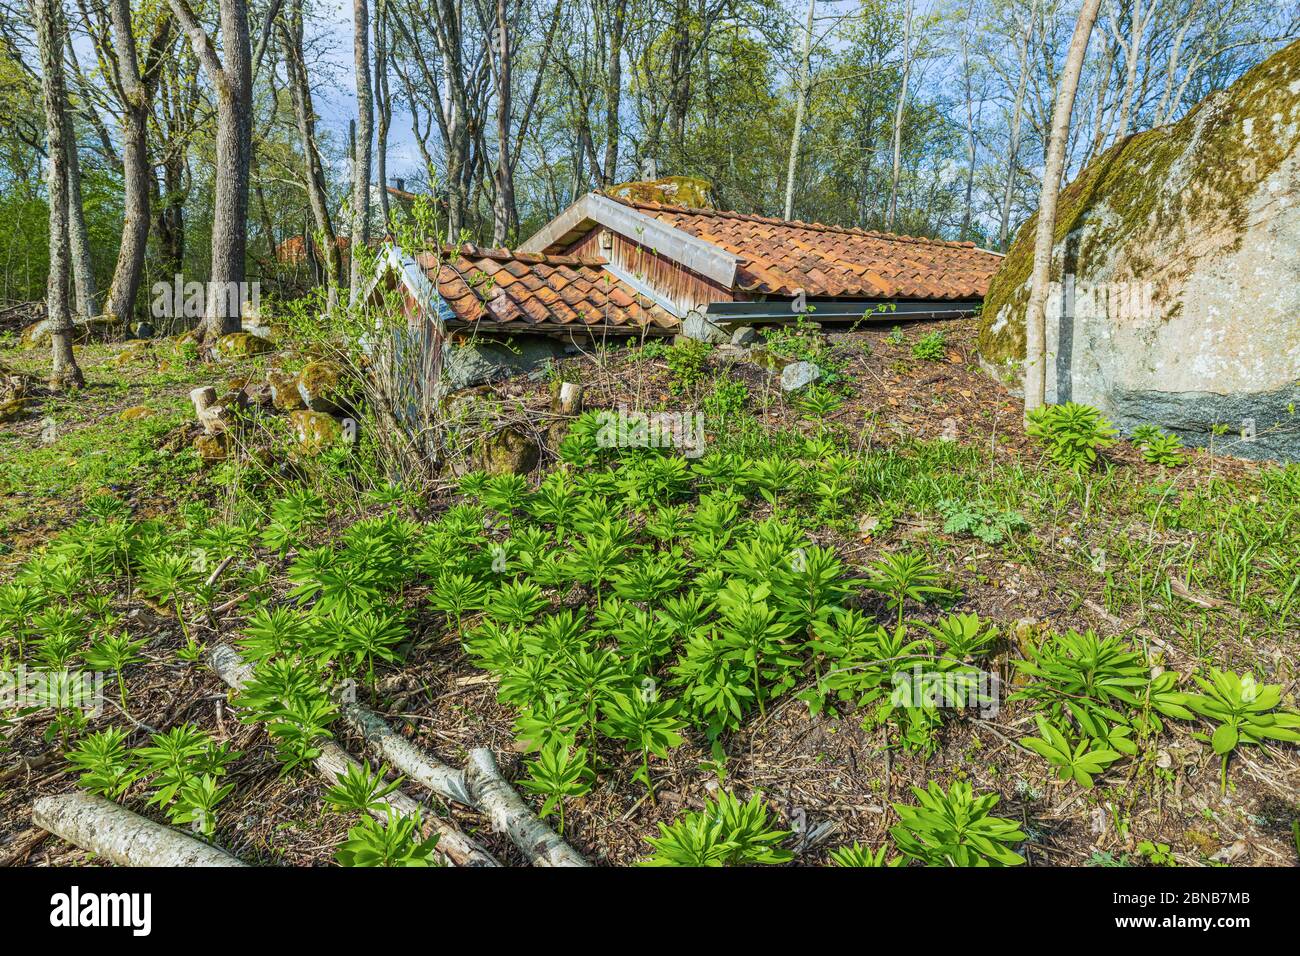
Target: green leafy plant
(930, 347)
(1157, 854)
(726, 832)
(1165, 450)
(858, 855)
(361, 790)
(647, 724)
(105, 763)
(560, 772)
(1245, 711)
(688, 362)
(394, 841)
(115, 652)
(987, 524)
(1096, 681)
(1078, 762)
(905, 577)
(1071, 434)
(955, 828)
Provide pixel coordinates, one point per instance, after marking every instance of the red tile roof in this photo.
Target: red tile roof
(784, 257)
(531, 291)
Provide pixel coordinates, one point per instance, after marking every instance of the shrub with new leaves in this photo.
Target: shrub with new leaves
(1071, 434)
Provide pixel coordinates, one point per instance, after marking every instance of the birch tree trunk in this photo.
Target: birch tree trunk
(83, 268)
(119, 836)
(1035, 317)
(800, 106)
(48, 17)
(503, 203)
(334, 762)
(361, 154)
(384, 102)
(233, 81)
(898, 118)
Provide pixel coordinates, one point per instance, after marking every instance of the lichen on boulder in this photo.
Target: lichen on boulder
(235, 345)
(315, 431)
(508, 452)
(1176, 271)
(324, 386)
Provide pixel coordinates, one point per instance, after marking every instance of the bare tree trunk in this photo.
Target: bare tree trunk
(233, 81)
(898, 118)
(83, 268)
(503, 204)
(385, 104)
(48, 16)
(361, 153)
(137, 177)
(1035, 313)
(1139, 21)
(613, 93)
(800, 106)
(970, 124)
(291, 36)
(1017, 117)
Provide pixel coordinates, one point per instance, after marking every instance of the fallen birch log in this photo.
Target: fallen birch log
(480, 786)
(120, 836)
(494, 796)
(447, 782)
(334, 762)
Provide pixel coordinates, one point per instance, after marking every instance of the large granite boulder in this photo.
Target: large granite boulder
(1177, 275)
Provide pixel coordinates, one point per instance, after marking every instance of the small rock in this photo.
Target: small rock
(1230, 854)
(284, 391)
(508, 452)
(135, 413)
(315, 430)
(798, 375)
(49, 431)
(143, 330)
(696, 326)
(324, 387)
(236, 345)
(212, 447)
(14, 409)
(745, 335)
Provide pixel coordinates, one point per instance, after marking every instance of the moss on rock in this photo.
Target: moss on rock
(1159, 203)
(324, 386)
(242, 345)
(315, 431)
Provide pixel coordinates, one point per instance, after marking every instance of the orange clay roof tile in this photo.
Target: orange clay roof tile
(519, 291)
(785, 257)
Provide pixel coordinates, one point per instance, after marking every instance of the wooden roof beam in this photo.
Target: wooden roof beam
(593, 209)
